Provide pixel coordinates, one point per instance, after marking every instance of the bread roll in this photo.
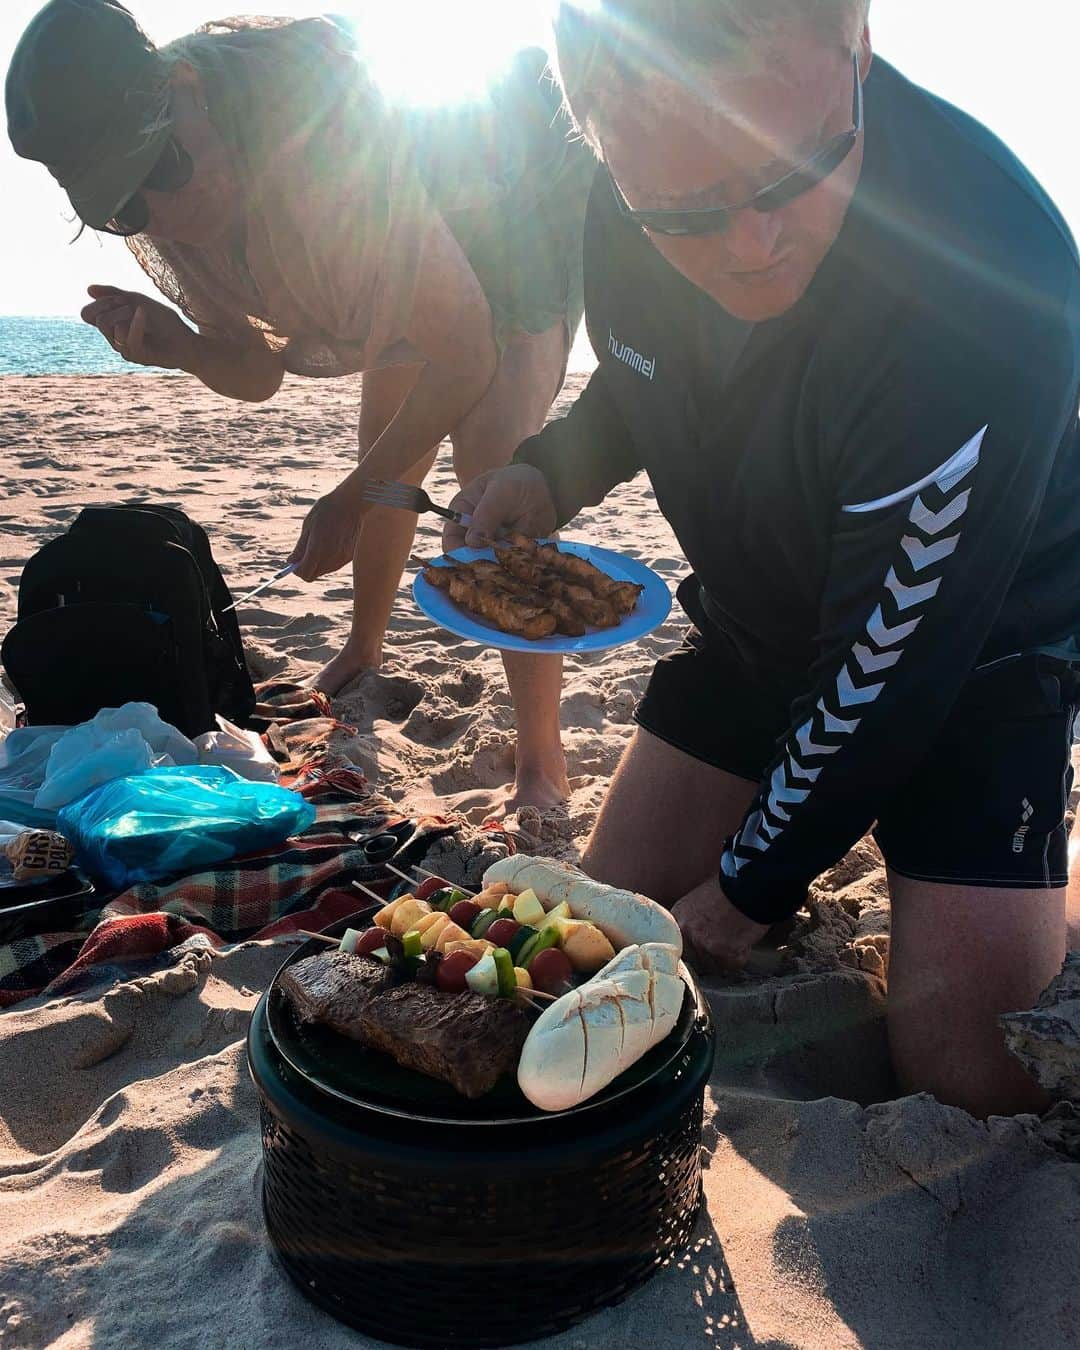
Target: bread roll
(625, 918)
(552, 1063)
(584, 1040)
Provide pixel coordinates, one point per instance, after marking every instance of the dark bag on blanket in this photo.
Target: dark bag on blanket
(128, 605)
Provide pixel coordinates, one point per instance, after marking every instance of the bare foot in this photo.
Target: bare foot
(342, 670)
(537, 793)
(541, 790)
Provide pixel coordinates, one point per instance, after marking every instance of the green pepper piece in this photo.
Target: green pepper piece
(524, 935)
(413, 943)
(547, 937)
(504, 969)
(442, 900)
(484, 920)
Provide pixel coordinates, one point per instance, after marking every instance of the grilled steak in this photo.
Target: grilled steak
(335, 988)
(466, 1040)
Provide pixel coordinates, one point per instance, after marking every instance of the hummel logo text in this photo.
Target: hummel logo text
(621, 352)
(1027, 811)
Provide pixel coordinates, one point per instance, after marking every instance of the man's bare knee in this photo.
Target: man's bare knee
(662, 827)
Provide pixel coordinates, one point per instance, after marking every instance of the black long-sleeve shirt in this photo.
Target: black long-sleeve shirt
(878, 491)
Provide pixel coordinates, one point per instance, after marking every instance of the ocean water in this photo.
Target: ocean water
(58, 346)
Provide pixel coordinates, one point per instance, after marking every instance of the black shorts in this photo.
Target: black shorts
(986, 807)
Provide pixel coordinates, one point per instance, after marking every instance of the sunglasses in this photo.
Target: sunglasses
(172, 172)
(802, 179)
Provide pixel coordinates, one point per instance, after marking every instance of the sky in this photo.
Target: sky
(1011, 65)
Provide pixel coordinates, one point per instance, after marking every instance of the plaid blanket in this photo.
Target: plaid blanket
(303, 883)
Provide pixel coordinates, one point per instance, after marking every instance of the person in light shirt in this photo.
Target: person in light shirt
(306, 225)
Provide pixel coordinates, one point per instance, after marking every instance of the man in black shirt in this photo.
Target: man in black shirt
(838, 325)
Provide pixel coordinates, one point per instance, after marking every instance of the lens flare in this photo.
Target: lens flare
(432, 53)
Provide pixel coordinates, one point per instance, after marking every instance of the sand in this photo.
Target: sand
(129, 1149)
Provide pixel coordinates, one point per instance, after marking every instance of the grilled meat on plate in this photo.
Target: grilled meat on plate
(467, 1040)
(334, 988)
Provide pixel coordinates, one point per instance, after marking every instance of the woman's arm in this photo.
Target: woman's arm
(249, 373)
(449, 335)
(148, 333)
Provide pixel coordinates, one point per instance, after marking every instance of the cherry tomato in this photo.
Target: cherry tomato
(450, 975)
(429, 886)
(371, 941)
(550, 971)
(465, 913)
(502, 932)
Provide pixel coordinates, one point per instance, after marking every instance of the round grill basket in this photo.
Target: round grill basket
(445, 1234)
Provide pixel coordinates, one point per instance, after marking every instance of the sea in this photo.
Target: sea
(51, 345)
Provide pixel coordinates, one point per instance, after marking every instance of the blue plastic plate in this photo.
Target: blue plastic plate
(653, 606)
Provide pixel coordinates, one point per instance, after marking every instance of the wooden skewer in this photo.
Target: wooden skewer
(454, 885)
(318, 937)
(359, 885)
(399, 873)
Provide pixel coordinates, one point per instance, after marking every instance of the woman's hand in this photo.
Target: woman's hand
(718, 936)
(516, 499)
(329, 535)
(142, 330)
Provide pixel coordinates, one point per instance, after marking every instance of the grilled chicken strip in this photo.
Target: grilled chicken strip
(505, 611)
(577, 570)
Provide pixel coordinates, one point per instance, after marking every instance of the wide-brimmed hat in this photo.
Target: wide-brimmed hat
(87, 96)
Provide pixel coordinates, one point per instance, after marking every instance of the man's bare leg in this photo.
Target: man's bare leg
(960, 956)
(513, 409)
(385, 541)
(1072, 900)
(662, 827)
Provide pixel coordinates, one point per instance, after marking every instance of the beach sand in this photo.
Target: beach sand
(129, 1147)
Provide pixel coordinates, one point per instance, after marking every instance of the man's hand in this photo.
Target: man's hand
(515, 498)
(329, 535)
(718, 937)
(142, 330)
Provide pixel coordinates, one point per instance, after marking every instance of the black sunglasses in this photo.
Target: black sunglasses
(802, 179)
(172, 172)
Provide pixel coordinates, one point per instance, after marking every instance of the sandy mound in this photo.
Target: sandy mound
(129, 1174)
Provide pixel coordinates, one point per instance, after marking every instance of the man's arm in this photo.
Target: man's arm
(939, 491)
(584, 454)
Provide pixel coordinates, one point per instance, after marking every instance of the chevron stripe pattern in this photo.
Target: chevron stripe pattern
(934, 529)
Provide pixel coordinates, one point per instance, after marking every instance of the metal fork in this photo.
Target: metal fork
(406, 498)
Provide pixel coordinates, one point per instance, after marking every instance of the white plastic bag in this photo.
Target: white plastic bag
(239, 750)
(23, 757)
(162, 737)
(115, 743)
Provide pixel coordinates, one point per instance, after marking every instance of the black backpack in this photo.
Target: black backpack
(128, 605)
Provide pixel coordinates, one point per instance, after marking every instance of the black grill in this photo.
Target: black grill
(473, 1234)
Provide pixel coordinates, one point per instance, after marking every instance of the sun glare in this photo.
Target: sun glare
(428, 53)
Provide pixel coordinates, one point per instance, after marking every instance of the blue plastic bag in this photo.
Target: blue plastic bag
(176, 820)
